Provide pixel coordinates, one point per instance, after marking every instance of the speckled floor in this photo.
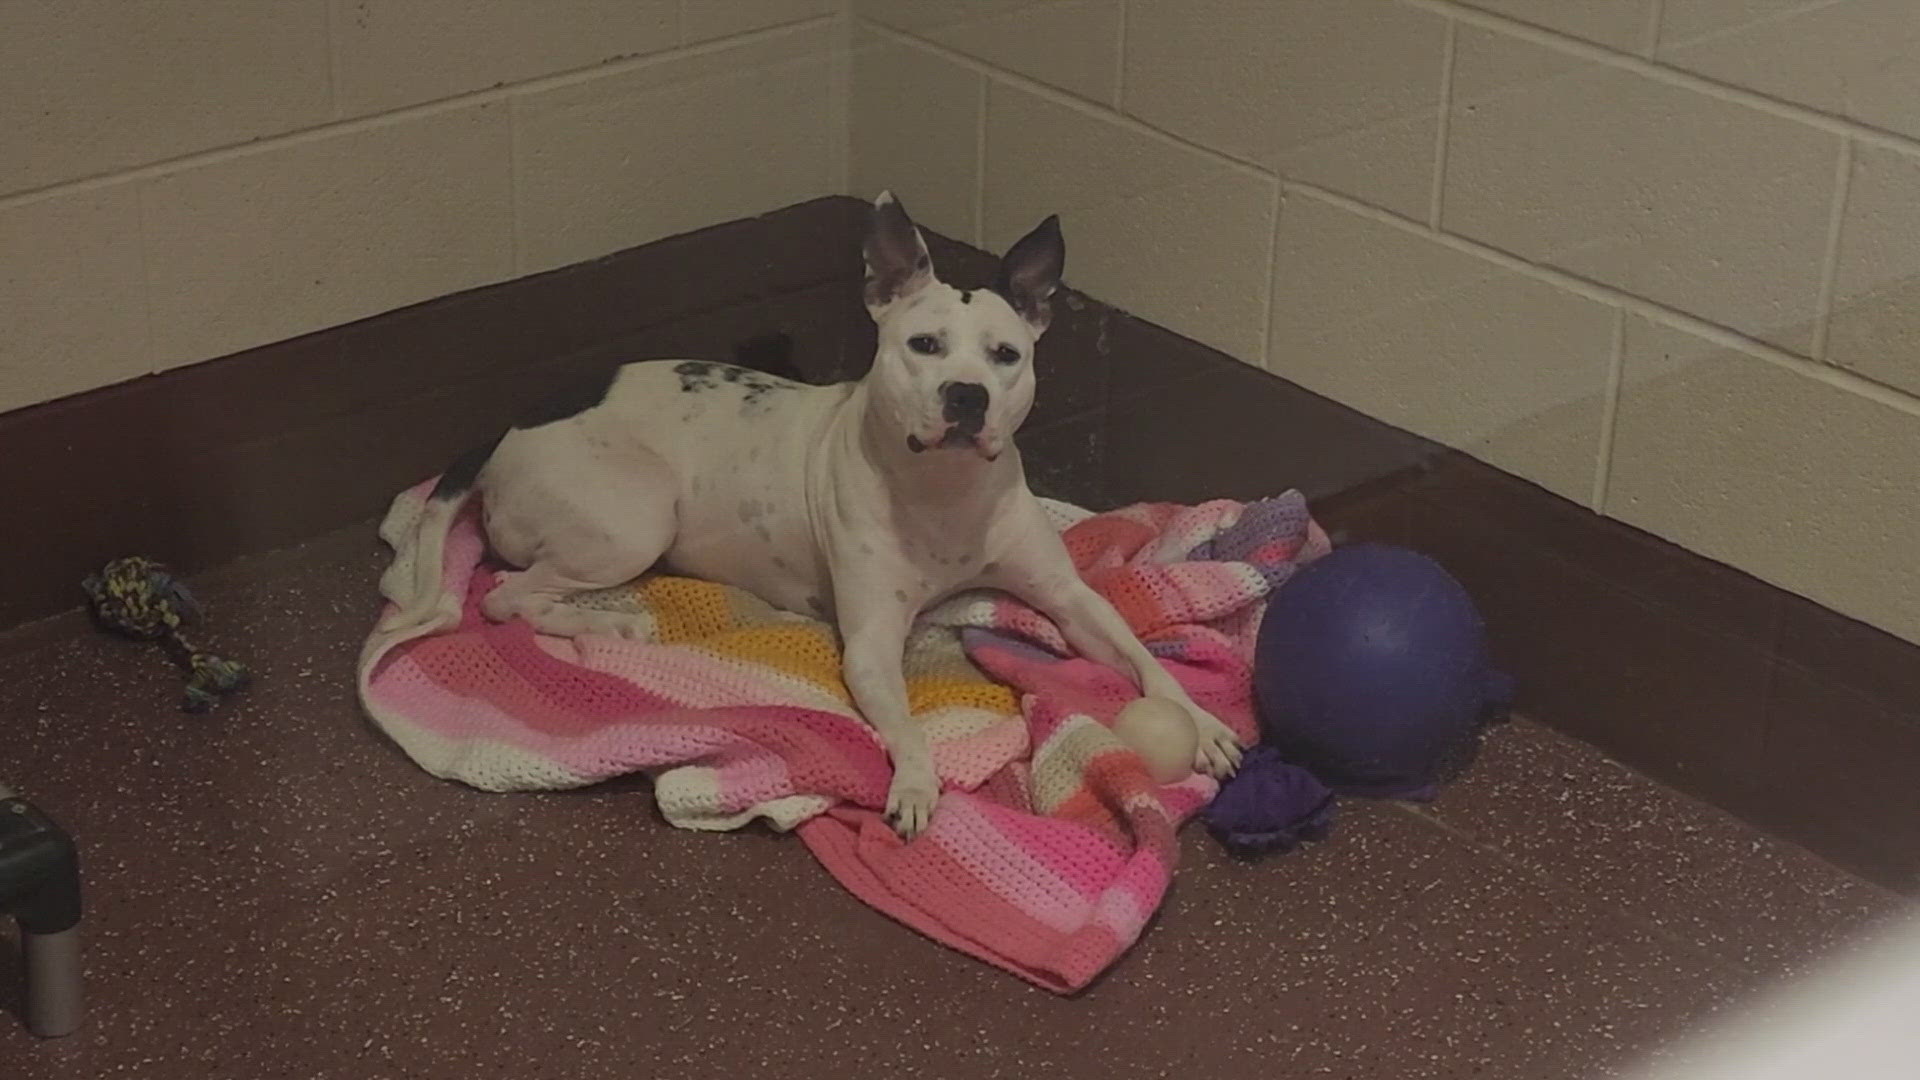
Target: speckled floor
(276, 893)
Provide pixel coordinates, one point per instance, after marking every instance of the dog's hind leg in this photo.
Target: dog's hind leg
(603, 527)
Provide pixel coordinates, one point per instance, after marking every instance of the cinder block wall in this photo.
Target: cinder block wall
(1658, 256)
(182, 179)
(1661, 257)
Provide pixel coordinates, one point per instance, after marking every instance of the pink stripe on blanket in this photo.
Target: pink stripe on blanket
(968, 760)
(974, 837)
(829, 753)
(931, 892)
(410, 685)
(747, 780)
(511, 672)
(1083, 858)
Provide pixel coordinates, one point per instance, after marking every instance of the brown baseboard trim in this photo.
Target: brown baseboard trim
(1799, 720)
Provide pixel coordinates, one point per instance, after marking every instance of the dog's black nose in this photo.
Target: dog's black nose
(965, 405)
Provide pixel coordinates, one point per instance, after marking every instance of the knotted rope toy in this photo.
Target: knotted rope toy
(142, 599)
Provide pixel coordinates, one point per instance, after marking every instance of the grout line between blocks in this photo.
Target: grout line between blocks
(1443, 128)
(1610, 412)
(151, 346)
(1273, 272)
(1120, 63)
(513, 185)
(1830, 268)
(333, 58)
(1656, 16)
(980, 164)
(840, 100)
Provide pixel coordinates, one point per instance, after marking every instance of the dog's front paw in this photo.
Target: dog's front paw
(1218, 752)
(910, 801)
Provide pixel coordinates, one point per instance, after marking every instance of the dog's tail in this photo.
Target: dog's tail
(414, 580)
(414, 584)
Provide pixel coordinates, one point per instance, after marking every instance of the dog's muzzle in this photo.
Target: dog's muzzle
(964, 405)
(964, 410)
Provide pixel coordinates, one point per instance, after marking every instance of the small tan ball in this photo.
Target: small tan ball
(1162, 733)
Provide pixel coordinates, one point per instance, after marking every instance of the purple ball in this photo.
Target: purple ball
(1371, 672)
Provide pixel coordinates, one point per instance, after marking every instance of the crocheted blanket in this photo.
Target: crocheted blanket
(1050, 846)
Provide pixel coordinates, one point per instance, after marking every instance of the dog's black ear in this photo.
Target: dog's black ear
(897, 261)
(1031, 270)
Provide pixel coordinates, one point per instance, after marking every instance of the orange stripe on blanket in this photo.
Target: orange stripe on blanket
(928, 692)
(685, 610)
(702, 615)
(803, 650)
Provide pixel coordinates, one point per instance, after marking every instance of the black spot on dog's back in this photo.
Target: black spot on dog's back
(698, 376)
(574, 397)
(465, 469)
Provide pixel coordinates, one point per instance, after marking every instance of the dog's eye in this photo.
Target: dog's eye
(924, 344)
(1006, 354)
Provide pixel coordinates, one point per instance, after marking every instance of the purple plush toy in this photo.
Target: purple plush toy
(1372, 678)
(1269, 806)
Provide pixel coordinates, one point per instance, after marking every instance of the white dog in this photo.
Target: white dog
(861, 503)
